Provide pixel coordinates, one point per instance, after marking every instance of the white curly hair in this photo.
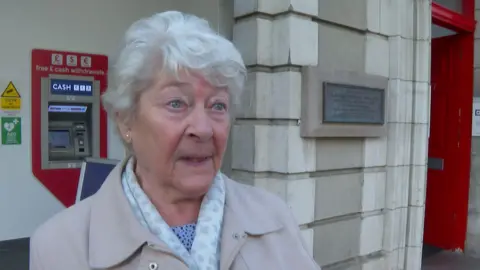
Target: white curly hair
(166, 43)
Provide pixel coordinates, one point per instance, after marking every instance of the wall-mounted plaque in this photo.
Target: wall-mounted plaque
(342, 104)
(350, 104)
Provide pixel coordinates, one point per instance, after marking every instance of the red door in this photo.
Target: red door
(440, 212)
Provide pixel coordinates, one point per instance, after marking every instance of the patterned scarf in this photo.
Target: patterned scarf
(205, 252)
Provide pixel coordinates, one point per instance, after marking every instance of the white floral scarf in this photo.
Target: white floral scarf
(205, 252)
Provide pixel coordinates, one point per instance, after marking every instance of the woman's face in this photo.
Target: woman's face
(180, 131)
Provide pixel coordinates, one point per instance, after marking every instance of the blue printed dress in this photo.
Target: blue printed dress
(186, 234)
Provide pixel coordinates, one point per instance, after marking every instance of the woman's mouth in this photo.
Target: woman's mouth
(196, 161)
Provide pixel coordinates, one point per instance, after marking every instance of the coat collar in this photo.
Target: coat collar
(115, 234)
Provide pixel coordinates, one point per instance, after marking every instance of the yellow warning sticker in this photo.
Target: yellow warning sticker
(10, 98)
(11, 91)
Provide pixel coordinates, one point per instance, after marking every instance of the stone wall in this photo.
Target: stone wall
(359, 202)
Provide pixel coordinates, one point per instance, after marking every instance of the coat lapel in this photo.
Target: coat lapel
(243, 218)
(115, 234)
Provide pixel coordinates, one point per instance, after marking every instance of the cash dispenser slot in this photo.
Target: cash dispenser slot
(68, 141)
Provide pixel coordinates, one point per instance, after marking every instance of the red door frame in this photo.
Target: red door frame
(464, 24)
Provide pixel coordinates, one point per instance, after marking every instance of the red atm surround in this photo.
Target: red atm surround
(62, 183)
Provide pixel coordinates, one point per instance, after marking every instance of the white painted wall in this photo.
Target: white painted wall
(89, 26)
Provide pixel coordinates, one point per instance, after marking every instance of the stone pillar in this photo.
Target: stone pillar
(276, 38)
(407, 25)
(359, 201)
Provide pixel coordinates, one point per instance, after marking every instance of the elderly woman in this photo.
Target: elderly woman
(167, 206)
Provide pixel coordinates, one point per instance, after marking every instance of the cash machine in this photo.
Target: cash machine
(70, 107)
(68, 122)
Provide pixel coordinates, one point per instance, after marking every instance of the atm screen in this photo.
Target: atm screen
(59, 139)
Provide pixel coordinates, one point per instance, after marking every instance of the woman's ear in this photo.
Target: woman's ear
(123, 127)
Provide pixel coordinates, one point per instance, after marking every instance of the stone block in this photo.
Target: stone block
(473, 224)
(264, 148)
(422, 103)
(477, 17)
(472, 246)
(300, 155)
(399, 144)
(335, 153)
(413, 258)
(337, 241)
(295, 41)
(415, 226)
(299, 195)
(376, 55)
(404, 18)
(424, 19)
(391, 18)
(418, 185)
(226, 17)
(376, 264)
(253, 38)
(307, 235)
(244, 7)
(373, 191)
(338, 195)
(227, 158)
(371, 234)
(476, 81)
(341, 49)
(395, 229)
(388, 15)
(303, 6)
(300, 198)
(397, 187)
(422, 61)
(400, 101)
(244, 151)
(401, 58)
(344, 12)
(257, 84)
(476, 53)
(395, 259)
(375, 152)
(373, 15)
(397, 19)
(348, 265)
(420, 144)
(271, 96)
(285, 98)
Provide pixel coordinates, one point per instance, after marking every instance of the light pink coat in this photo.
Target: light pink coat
(259, 233)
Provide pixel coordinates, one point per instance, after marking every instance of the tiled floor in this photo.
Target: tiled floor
(450, 261)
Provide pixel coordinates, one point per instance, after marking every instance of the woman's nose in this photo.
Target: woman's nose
(200, 125)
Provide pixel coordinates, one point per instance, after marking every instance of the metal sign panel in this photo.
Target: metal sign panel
(350, 104)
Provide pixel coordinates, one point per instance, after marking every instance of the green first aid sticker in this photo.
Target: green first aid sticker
(11, 130)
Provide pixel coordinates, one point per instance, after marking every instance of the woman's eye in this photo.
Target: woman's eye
(219, 107)
(176, 104)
